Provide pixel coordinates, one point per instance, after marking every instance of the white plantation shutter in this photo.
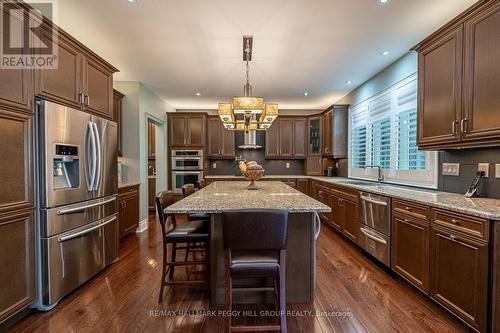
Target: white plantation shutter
(383, 131)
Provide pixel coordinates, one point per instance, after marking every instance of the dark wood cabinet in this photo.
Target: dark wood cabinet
(459, 266)
(117, 117)
(482, 76)
(327, 135)
(350, 219)
(458, 81)
(98, 87)
(410, 250)
(285, 139)
(17, 259)
(314, 135)
(151, 193)
(128, 209)
(304, 185)
(220, 141)
(340, 131)
(187, 130)
(314, 166)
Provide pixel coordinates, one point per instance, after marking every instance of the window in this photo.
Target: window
(383, 132)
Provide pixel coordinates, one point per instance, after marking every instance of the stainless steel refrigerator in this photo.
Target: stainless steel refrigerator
(77, 199)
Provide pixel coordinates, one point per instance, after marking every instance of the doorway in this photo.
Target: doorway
(152, 171)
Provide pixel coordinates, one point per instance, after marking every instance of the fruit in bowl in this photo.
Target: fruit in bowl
(252, 171)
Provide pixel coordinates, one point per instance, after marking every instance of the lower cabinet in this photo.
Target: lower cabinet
(459, 267)
(17, 261)
(128, 205)
(314, 166)
(410, 250)
(303, 185)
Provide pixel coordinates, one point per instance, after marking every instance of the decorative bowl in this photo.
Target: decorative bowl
(252, 176)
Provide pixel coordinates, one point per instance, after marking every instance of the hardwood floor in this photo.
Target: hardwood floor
(124, 298)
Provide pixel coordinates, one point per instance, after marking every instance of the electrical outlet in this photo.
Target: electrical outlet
(497, 170)
(287, 165)
(214, 165)
(451, 169)
(484, 167)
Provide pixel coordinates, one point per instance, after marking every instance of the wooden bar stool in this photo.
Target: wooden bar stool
(255, 246)
(201, 184)
(193, 233)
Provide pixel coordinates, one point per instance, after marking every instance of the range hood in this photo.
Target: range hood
(250, 140)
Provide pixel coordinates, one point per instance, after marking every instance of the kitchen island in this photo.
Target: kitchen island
(303, 228)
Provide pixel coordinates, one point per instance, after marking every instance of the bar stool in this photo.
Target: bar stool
(255, 246)
(201, 184)
(194, 233)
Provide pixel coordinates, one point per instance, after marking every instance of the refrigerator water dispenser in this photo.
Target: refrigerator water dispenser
(66, 165)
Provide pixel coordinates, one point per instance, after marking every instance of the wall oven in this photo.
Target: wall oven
(187, 159)
(180, 178)
(375, 226)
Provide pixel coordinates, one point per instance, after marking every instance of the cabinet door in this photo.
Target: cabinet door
(129, 214)
(299, 138)
(117, 117)
(340, 121)
(196, 131)
(64, 84)
(482, 75)
(314, 166)
(151, 194)
(337, 213)
(98, 88)
(177, 130)
(314, 136)
(214, 137)
(16, 162)
(410, 250)
(350, 219)
(273, 140)
(16, 88)
(17, 259)
(285, 137)
(459, 269)
(440, 82)
(227, 139)
(327, 133)
(303, 186)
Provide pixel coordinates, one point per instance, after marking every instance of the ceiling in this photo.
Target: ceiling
(181, 47)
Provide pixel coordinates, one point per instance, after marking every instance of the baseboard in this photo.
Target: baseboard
(143, 226)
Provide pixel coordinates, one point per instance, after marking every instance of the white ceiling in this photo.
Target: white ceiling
(180, 47)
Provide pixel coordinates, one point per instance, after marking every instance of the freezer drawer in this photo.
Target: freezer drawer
(54, 221)
(375, 243)
(72, 258)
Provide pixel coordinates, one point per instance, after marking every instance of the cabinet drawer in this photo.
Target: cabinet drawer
(412, 209)
(463, 223)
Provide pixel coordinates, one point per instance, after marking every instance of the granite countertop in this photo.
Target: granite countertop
(127, 184)
(480, 207)
(265, 177)
(227, 195)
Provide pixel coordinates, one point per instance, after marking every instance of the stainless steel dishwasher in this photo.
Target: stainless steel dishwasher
(375, 226)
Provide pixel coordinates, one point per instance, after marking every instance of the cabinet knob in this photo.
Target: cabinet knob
(453, 237)
(408, 209)
(454, 221)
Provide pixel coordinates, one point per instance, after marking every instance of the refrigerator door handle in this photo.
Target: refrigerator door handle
(90, 159)
(98, 161)
(86, 231)
(80, 208)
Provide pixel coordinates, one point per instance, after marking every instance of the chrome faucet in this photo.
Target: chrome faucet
(380, 175)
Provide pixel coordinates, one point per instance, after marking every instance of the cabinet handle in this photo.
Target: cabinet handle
(86, 100)
(453, 238)
(463, 125)
(454, 221)
(408, 209)
(454, 127)
(80, 98)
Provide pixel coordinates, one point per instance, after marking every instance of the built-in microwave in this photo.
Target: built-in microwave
(181, 178)
(187, 159)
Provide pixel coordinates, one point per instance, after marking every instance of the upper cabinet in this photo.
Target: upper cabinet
(458, 104)
(314, 135)
(335, 121)
(286, 138)
(187, 130)
(220, 141)
(117, 117)
(81, 79)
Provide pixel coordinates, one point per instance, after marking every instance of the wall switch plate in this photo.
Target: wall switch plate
(497, 170)
(214, 165)
(451, 169)
(287, 165)
(484, 167)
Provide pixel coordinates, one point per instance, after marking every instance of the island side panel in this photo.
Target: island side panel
(300, 267)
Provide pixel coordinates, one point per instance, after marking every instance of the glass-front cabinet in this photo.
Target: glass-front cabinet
(314, 136)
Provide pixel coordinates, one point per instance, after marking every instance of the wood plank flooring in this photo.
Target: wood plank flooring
(352, 295)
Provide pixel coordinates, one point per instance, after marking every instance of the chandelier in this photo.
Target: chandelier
(247, 112)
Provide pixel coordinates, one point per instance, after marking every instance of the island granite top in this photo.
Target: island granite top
(229, 195)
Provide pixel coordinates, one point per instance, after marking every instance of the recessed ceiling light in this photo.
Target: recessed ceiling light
(306, 93)
(132, 1)
(198, 94)
(383, 2)
(384, 53)
(348, 82)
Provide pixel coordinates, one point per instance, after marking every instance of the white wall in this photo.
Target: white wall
(139, 104)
